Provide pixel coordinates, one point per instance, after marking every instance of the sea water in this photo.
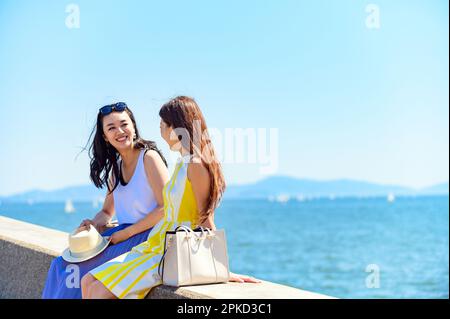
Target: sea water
(346, 248)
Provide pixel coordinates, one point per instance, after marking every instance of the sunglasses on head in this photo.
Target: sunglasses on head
(118, 107)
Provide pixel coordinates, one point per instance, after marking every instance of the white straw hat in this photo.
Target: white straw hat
(84, 244)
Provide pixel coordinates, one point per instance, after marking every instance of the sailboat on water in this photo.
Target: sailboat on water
(69, 208)
(391, 198)
(283, 198)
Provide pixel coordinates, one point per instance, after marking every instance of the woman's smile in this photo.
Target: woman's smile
(122, 139)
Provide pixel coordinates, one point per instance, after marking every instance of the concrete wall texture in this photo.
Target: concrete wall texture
(26, 252)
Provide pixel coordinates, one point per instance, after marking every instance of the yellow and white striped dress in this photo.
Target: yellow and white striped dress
(133, 274)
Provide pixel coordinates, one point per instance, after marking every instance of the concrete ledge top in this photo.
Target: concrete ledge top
(233, 290)
(53, 242)
(33, 236)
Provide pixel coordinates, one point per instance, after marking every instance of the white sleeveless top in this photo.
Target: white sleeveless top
(134, 200)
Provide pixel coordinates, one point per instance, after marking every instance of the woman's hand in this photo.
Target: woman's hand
(120, 236)
(242, 279)
(87, 224)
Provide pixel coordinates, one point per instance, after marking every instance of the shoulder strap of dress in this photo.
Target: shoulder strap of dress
(143, 152)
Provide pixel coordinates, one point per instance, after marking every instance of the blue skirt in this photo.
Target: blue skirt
(64, 279)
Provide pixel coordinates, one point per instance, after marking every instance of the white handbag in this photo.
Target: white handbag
(194, 257)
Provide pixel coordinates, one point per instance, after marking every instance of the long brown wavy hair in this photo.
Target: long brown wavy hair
(183, 113)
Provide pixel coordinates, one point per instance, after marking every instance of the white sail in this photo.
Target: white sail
(390, 198)
(69, 208)
(283, 198)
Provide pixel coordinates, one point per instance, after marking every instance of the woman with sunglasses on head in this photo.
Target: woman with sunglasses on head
(190, 198)
(134, 172)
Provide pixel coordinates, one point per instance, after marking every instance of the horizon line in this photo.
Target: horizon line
(249, 183)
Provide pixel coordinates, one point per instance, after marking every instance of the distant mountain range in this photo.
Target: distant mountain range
(75, 193)
(294, 187)
(271, 187)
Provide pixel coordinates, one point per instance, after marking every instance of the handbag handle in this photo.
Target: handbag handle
(188, 230)
(206, 232)
(161, 262)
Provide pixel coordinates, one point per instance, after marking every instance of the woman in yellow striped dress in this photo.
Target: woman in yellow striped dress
(190, 198)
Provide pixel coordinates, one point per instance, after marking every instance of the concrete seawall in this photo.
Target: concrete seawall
(26, 251)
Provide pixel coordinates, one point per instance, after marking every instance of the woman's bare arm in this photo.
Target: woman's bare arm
(105, 215)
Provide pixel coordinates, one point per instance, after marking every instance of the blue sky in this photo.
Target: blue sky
(348, 101)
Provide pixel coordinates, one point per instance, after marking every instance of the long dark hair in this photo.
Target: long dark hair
(104, 157)
(183, 112)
